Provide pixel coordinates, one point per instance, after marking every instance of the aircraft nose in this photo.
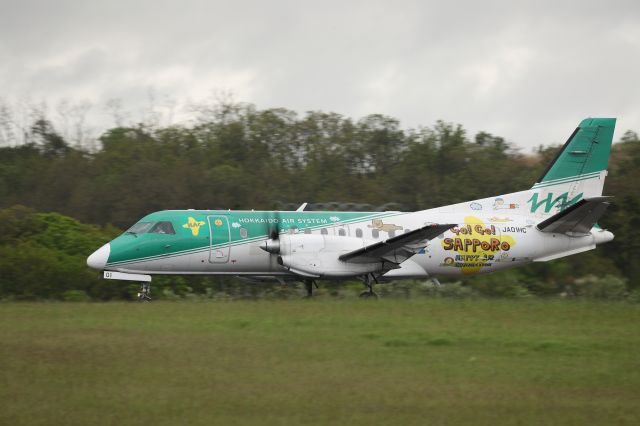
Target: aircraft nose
(98, 260)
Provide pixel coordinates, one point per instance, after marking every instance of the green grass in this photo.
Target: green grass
(320, 362)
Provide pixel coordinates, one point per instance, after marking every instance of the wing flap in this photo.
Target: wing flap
(396, 249)
(578, 219)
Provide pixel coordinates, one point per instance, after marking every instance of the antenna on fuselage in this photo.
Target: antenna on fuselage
(302, 207)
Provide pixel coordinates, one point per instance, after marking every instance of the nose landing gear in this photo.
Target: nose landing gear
(144, 293)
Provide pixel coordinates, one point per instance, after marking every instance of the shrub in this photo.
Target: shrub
(609, 287)
(75, 296)
(507, 284)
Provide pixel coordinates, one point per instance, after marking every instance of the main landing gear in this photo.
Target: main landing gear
(368, 281)
(144, 293)
(308, 285)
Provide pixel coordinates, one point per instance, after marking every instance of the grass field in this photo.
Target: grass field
(320, 362)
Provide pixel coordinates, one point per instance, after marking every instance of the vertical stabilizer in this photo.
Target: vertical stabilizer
(585, 153)
(578, 170)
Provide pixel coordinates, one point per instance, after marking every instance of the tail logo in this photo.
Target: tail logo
(562, 201)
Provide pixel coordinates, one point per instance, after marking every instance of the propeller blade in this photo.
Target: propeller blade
(272, 245)
(274, 233)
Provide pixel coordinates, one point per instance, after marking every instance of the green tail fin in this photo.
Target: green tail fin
(587, 150)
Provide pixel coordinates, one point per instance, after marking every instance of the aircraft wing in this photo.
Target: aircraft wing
(577, 219)
(396, 249)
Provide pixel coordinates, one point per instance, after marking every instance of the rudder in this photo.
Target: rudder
(586, 152)
(578, 169)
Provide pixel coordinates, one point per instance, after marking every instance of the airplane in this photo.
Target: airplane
(556, 217)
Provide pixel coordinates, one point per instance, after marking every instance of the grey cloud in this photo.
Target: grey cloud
(524, 70)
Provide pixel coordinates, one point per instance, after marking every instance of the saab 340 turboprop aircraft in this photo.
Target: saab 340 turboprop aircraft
(555, 218)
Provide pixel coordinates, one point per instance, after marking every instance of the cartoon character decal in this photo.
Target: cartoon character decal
(499, 204)
(385, 227)
(500, 219)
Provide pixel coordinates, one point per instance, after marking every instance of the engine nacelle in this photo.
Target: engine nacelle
(317, 256)
(271, 246)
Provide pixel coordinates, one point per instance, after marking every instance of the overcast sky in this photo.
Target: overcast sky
(528, 71)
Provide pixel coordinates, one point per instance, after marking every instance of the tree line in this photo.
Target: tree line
(236, 156)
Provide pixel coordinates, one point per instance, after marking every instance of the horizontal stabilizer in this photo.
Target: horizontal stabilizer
(578, 219)
(396, 249)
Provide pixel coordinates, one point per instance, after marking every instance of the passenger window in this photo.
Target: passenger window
(243, 232)
(342, 232)
(392, 233)
(324, 231)
(162, 228)
(307, 231)
(406, 231)
(359, 233)
(375, 233)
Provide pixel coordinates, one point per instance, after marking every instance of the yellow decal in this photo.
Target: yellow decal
(218, 222)
(194, 225)
(476, 245)
(385, 227)
(500, 219)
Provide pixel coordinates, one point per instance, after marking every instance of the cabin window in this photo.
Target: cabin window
(324, 231)
(293, 230)
(392, 233)
(307, 231)
(162, 228)
(359, 233)
(407, 230)
(139, 228)
(375, 233)
(342, 232)
(244, 233)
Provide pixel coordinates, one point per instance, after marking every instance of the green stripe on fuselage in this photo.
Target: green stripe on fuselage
(193, 231)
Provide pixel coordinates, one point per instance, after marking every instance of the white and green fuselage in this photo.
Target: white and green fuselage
(485, 235)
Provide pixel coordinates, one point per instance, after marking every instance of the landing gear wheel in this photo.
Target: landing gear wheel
(308, 285)
(369, 280)
(368, 295)
(144, 293)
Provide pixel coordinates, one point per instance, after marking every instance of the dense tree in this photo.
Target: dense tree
(236, 156)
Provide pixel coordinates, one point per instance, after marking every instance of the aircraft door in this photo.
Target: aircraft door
(219, 238)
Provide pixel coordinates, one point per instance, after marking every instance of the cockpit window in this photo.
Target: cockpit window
(162, 228)
(139, 228)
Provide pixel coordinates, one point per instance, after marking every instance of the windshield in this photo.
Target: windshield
(139, 228)
(162, 228)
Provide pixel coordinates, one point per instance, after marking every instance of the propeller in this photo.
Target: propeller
(272, 245)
